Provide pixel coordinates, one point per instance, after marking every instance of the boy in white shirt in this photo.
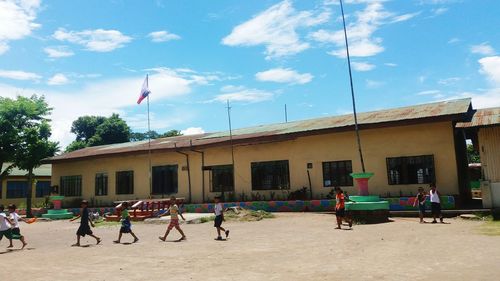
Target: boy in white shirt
(174, 213)
(5, 227)
(219, 218)
(15, 218)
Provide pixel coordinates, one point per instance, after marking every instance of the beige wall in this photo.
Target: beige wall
(20, 201)
(378, 144)
(489, 141)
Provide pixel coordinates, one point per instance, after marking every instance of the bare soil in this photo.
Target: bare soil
(292, 246)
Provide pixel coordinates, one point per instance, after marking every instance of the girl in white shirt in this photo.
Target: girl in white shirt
(5, 227)
(15, 218)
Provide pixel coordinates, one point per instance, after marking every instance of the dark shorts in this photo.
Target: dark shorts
(16, 233)
(340, 212)
(421, 208)
(436, 208)
(7, 233)
(84, 230)
(126, 227)
(218, 221)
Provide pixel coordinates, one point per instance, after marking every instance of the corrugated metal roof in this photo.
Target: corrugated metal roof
(456, 109)
(483, 117)
(44, 170)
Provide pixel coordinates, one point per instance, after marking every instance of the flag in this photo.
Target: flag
(144, 91)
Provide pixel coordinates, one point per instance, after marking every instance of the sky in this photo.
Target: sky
(91, 58)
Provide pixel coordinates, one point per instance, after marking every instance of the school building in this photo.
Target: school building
(14, 188)
(484, 132)
(404, 147)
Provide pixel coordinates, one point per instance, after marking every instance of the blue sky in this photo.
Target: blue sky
(91, 57)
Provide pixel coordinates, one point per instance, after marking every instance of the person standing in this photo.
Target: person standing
(16, 231)
(435, 203)
(420, 200)
(340, 208)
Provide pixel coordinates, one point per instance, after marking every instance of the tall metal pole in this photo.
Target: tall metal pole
(352, 91)
(286, 115)
(231, 143)
(149, 145)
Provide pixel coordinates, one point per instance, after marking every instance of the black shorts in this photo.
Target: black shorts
(436, 208)
(421, 208)
(218, 221)
(126, 226)
(7, 233)
(84, 230)
(340, 212)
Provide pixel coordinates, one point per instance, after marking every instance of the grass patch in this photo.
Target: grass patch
(103, 223)
(490, 228)
(207, 219)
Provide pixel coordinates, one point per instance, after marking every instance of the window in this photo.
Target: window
(411, 170)
(42, 188)
(221, 178)
(101, 184)
(125, 182)
(270, 175)
(71, 186)
(165, 179)
(337, 173)
(17, 189)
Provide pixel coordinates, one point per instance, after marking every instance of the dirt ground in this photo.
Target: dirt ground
(292, 246)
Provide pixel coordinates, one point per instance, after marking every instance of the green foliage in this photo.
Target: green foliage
(21, 119)
(98, 130)
(154, 135)
(472, 154)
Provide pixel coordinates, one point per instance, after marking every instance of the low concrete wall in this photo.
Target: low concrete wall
(395, 204)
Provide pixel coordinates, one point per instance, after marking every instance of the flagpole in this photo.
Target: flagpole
(149, 144)
(231, 143)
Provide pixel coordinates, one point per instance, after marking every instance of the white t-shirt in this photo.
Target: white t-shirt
(14, 217)
(218, 209)
(434, 196)
(4, 224)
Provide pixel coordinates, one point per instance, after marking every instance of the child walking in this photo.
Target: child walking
(435, 204)
(219, 218)
(420, 200)
(5, 227)
(126, 225)
(84, 228)
(174, 213)
(340, 208)
(15, 218)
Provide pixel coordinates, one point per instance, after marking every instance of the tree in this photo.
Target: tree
(154, 135)
(34, 147)
(472, 154)
(15, 116)
(98, 130)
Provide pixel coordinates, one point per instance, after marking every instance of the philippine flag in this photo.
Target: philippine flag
(144, 91)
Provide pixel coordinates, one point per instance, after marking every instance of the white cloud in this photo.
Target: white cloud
(19, 75)
(405, 17)
(485, 99)
(98, 40)
(482, 49)
(374, 84)
(490, 66)
(428, 92)
(449, 81)
(391, 64)
(105, 97)
(192, 131)
(17, 20)
(58, 79)
(242, 94)
(362, 66)
(277, 29)
(163, 36)
(284, 75)
(453, 40)
(58, 52)
(439, 11)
